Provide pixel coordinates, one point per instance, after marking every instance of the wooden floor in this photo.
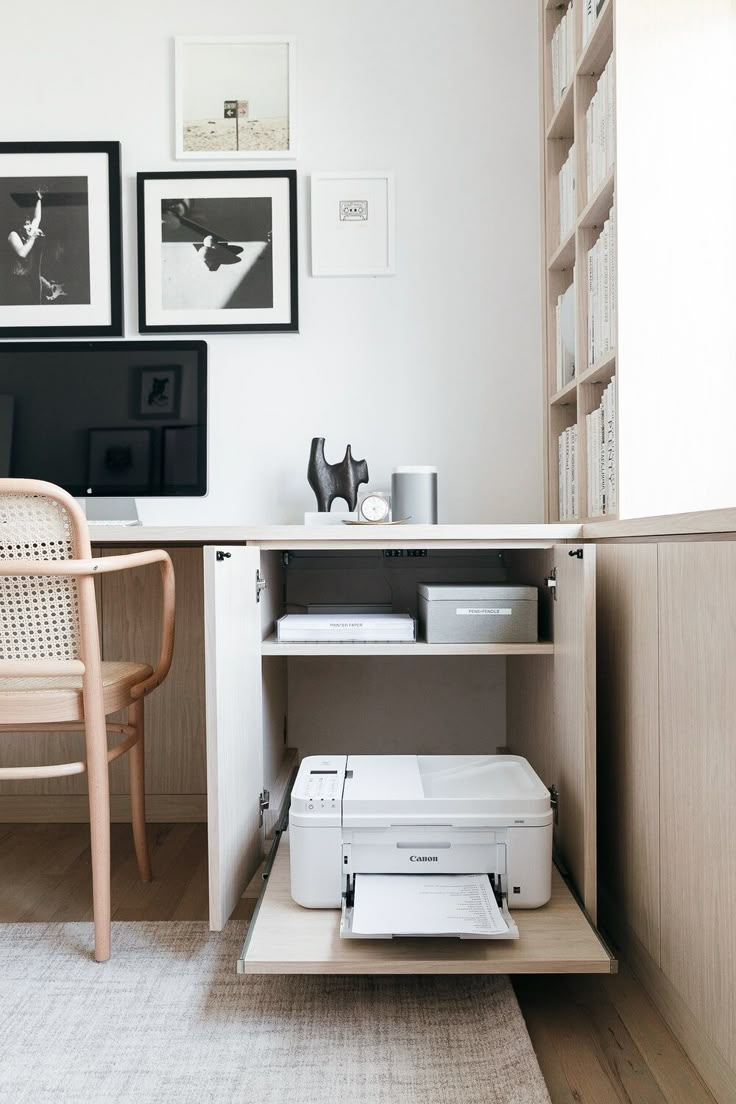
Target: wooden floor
(599, 1040)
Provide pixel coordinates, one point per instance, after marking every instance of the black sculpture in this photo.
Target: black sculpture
(331, 481)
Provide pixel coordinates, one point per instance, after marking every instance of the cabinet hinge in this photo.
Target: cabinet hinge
(576, 553)
(264, 800)
(551, 582)
(554, 800)
(261, 584)
(285, 557)
(220, 555)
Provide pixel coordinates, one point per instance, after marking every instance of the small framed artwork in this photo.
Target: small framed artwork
(217, 252)
(235, 97)
(158, 391)
(353, 224)
(119, 458)
(60, 232)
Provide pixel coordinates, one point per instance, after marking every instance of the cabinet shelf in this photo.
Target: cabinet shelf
(564, 255)
(566, 396)
(272, 647)
(597, 210)
(562, 122)
(601, 371)
(599, 46)
(288, 939)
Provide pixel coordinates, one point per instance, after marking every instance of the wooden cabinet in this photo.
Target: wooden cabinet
(667, 771)
(546, 695)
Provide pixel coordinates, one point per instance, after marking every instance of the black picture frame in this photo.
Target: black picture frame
(68, 282)
(158, 391)
(217, 252)
(119, 458)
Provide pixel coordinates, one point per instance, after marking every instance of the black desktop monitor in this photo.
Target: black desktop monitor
(106, 418)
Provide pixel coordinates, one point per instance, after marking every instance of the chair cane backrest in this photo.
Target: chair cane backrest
(39, 616)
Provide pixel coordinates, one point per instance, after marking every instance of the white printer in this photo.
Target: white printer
(428, 815)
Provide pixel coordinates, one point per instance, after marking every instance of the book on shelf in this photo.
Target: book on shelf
(565, 336)
(305, 628)
(600, 132)
(568, 467)
(563, 55)
(591, 11)
(601, 279)
(600, 436)
(566, 189)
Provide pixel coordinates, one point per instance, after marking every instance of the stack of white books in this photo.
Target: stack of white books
(601, 444)
(376, 628)
(566, 182)
(565, 334)
(567, 445)
(563, 55)
(602, 292)
(600, 132)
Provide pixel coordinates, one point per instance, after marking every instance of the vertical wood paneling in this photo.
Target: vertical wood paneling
(175, 752)
(697, 591)
(628, 735)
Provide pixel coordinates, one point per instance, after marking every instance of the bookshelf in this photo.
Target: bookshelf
(568, 402)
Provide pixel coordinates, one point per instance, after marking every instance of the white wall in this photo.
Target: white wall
(676, 200)
(439, 364)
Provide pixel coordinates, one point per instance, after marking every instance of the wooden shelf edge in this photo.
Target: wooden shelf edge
(599, 46)
(562, 123)
(601, 371)
(566, 396)
(289, 939)
(564, 255)
(596, 211)
(271, 647)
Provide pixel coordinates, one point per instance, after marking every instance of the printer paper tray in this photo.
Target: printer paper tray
(346, 928)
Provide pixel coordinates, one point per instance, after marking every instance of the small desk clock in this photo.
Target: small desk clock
(374, 506)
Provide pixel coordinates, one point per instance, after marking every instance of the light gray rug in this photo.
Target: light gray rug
(169, 1020)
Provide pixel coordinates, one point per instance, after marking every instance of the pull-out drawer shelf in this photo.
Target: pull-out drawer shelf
(288, 939)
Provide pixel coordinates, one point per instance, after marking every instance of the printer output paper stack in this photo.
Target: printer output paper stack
(416, 904)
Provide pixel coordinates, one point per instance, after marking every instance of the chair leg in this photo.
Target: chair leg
(99, 821)
(138, 793)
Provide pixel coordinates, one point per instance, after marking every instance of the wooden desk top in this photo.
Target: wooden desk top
(339, 536)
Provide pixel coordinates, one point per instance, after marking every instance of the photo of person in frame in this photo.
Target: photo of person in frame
(44, 232)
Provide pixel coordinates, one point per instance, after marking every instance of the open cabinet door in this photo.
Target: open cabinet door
(234, 725)
(572, 766)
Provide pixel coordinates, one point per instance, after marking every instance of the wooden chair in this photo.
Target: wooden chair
(52, 677)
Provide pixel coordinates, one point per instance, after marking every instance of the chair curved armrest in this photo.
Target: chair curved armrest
(105, 566)
(142, 559)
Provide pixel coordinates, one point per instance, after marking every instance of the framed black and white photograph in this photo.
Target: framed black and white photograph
(235, 97)
(353, 224)
(158, 393)
(60, 235)
(119, 458)
(217, 252)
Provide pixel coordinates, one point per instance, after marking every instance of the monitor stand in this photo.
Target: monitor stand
(110, 511)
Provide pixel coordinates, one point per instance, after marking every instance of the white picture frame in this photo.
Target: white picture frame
(256, 76)
(353, 223)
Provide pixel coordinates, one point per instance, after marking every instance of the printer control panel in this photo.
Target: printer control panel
(317, 792)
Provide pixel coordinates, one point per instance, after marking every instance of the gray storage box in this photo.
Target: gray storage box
(472, 613)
